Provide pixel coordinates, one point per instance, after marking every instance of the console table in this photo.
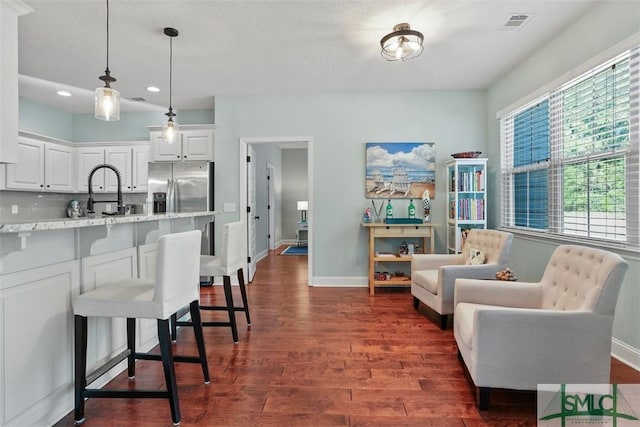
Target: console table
(411, 233)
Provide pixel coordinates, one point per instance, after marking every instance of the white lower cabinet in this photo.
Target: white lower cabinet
(36, 361)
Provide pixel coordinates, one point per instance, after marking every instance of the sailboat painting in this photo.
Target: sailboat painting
(400, 170)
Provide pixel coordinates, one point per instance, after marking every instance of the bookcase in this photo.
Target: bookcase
(467, 196)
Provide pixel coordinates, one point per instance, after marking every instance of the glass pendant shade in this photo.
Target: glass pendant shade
(107, 104)
(169, 132)
(403, 43)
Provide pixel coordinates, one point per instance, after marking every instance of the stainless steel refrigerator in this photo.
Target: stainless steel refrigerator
(189, 188)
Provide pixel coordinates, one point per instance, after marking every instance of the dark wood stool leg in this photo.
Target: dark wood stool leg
(131, 346)
(226, 283)
(196, 319)
(243, 292)
(416, 303)
(169, 369)
(174, 326)
(80, 350)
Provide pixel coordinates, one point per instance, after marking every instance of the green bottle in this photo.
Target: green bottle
(389, 210)
(411, 209)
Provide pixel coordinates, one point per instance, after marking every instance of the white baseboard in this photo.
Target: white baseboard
(262, 255)
(625, 353)
(345, 282)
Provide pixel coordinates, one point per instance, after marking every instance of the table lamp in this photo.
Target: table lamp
(303, 206)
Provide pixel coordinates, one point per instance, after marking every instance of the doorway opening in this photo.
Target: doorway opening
(267, 222)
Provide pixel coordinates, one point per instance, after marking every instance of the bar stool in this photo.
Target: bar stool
(176, 285)
(229, 262)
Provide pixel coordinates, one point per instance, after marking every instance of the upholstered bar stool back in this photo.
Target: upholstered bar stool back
(176, 286)
(230, 261)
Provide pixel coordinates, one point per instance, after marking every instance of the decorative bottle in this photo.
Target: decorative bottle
(389, 210)
(411, 209)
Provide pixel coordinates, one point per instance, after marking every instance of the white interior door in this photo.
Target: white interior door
(251, 214)
(271, 208)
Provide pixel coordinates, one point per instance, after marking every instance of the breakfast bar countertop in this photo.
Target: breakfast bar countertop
(64, 223)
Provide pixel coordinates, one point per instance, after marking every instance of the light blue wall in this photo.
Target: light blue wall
(294, 188)
(340, 124)
(49, 121)
(44, 120)
(605, 26)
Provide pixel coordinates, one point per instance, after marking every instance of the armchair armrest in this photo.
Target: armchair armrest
(498, 293)
(448, 274)
(435, 261)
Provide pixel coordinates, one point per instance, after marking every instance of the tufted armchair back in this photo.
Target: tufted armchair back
(495, 244)
(582, 278)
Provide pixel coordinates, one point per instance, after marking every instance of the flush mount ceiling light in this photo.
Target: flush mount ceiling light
(107, 100)
(403, 43)
(170, 128)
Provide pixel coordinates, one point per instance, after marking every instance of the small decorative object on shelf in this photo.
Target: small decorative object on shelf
(506, 275)
(426, 204)
(411, 210)
(389, 210)
(467, 155)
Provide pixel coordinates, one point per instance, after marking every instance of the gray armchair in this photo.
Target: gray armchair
(433, 275)
(517, 335)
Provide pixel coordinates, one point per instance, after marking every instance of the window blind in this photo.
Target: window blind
(570, 159)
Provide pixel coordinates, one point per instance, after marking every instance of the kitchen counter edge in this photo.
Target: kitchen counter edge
(63, 223)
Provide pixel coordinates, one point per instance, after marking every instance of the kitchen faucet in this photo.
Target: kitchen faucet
(91, 202)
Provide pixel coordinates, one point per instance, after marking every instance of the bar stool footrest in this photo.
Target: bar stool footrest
(103, 369)
(90, 392)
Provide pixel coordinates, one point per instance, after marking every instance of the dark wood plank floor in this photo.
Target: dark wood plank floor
(320, 357)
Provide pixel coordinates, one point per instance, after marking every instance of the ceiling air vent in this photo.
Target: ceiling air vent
(138, 99)
(516, 21)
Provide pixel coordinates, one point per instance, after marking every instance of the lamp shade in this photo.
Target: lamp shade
(303, 205)
(403, 43)
(107, 104)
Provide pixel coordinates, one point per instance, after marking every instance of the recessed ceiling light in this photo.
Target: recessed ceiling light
(63, 93)
(153, 89)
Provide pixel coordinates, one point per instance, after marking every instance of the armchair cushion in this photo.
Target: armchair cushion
(427, 279)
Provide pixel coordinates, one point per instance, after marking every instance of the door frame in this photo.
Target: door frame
(306, 142)
(271, 226)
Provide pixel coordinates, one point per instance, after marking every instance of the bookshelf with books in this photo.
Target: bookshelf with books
(466, 195)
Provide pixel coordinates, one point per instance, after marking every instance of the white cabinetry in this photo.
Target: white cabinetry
(131, 161)
(36, 357)
(192, 144)
(41, 166)
(9, 12)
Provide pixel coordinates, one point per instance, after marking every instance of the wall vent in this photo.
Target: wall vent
(517, 21)
(138, 99)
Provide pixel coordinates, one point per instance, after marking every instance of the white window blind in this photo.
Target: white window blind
(569, 161)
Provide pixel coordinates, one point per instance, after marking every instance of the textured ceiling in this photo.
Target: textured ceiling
(272, 46)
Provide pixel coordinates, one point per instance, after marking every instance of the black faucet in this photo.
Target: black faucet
(91, 202)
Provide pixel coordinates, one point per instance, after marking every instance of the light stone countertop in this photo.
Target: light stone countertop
(62, 223)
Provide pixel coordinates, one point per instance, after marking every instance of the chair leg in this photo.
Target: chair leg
(131, 346)
(80, 353)
(416, 303)
(243, 292)
(226, 283)
(174, 326)
(483, 398)
(169, 369)
(443, 321)
(196, 319)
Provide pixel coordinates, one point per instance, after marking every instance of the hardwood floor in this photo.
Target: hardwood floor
(320, 357)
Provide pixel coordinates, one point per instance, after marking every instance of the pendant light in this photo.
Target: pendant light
(107, 99)
(170, 128)
(403, 43)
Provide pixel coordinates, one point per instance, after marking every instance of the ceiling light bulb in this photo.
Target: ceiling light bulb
(169, 131)
(63, 93)
(153, 89)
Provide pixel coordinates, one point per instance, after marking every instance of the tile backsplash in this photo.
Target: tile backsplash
(37, 206)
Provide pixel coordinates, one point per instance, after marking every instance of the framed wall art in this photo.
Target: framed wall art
(400, 170)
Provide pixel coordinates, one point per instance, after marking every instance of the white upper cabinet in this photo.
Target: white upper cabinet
(192, 145)
(41, 166)
(131, 161)
(9, 12)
